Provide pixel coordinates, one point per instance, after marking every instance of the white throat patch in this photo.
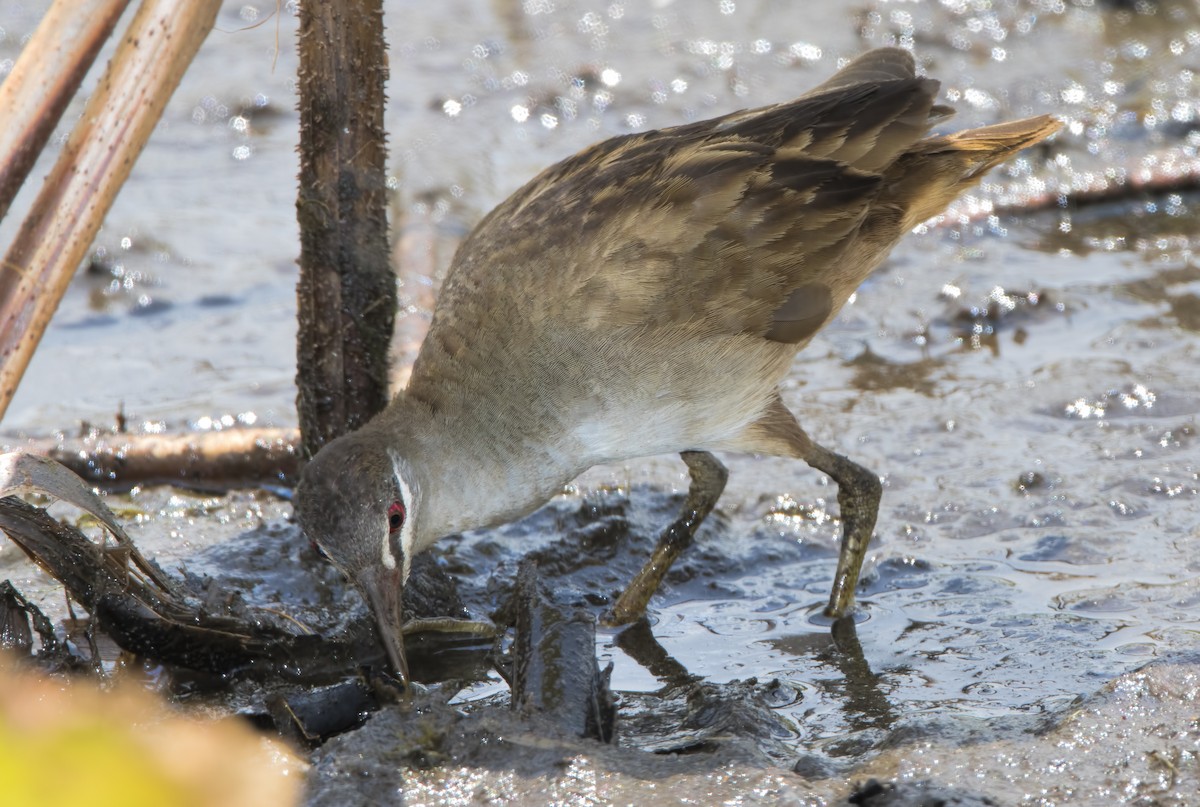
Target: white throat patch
(406, 531)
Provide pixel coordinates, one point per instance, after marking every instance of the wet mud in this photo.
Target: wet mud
(1025, 385)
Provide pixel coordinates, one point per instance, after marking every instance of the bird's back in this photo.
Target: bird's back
(724, 242)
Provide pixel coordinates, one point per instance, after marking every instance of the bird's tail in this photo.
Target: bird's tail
(936, 170)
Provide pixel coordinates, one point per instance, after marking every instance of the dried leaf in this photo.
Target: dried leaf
(22, 473)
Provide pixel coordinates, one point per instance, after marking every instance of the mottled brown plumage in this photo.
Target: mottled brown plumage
(647, 296)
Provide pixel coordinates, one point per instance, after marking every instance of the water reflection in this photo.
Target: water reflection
(856, 690)
(638, 642)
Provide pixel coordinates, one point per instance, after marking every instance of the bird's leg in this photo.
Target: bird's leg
(708, 480)
(859, 491)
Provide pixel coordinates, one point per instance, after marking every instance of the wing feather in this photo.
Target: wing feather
(758, 223)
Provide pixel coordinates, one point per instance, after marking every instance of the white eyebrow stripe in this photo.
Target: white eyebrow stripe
(388, 560)
(406, 531)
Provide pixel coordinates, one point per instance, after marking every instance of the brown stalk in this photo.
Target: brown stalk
(56, 235)
(47, 74)
(347, 290)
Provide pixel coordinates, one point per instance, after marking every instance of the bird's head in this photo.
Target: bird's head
(356, 501)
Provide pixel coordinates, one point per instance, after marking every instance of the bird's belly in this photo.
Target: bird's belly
(678, 408)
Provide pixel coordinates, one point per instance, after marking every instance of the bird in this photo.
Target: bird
(646, 296)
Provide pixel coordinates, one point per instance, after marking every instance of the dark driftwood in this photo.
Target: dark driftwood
(313, 715)
(347, 290)
(554, 669)
(172, 624)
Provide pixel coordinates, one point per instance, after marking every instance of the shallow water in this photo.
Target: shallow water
(1025, 385)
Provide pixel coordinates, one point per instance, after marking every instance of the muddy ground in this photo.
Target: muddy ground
(1025, 384)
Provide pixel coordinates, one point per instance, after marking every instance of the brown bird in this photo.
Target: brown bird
(646, 296)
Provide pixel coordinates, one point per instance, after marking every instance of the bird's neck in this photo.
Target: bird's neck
(470, 472)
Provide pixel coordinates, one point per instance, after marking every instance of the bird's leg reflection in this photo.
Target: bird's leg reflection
(638, 642)
(864, 703)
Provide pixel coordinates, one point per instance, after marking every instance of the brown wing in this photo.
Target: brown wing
(760, 222)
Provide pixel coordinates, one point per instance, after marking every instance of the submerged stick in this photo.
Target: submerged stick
(117, 122)
(45, 77)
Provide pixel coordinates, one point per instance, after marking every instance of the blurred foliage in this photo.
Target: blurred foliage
(72, 743)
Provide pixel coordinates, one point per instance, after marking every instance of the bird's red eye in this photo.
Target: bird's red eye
(395, 517)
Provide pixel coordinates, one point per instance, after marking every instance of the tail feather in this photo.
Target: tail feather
(987, 147)
(936, 170)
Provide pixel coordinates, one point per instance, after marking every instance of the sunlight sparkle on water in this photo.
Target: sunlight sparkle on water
(1084, 409)
(804, 51)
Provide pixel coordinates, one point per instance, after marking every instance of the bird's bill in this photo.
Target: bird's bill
(382, 589)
